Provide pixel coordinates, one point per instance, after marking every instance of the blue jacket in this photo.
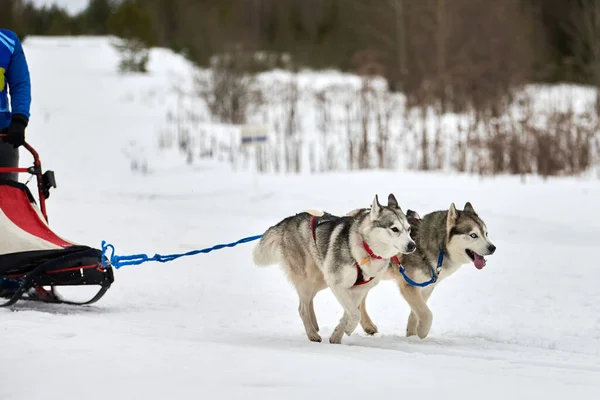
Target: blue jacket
(14, 76)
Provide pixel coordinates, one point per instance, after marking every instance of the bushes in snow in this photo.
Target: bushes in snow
(334, 122)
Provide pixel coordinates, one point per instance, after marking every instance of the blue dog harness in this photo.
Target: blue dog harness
(435, 273)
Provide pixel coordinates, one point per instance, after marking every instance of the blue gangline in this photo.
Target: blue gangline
(136, 259)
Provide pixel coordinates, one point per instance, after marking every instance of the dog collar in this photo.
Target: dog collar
(370, 252)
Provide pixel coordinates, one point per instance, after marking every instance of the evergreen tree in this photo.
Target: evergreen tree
(131, 20)
(133, 25)
(96, 15)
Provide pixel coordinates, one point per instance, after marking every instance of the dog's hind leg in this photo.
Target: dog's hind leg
(365, 320)
(307, 313)
(308, 281)
(312, 313)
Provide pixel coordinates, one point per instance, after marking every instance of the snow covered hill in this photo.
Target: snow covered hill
(215, 326)
(73, 7)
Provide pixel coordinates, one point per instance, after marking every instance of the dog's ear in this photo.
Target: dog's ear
(375, 208)
(469, 208)
(392, 202)
(412, 214)
(452, 216)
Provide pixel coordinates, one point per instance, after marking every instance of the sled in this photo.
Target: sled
(33, 258)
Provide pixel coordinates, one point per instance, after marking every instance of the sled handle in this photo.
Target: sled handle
(36, 170)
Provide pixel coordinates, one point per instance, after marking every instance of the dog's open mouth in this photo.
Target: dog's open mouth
(478, 260)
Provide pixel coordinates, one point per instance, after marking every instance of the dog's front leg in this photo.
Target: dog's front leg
(358, 295)
(351, 317)
(421, 317)
(426, 294)
(411, 325)
(365, 320)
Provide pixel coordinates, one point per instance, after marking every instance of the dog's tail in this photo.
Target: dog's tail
(268, 250)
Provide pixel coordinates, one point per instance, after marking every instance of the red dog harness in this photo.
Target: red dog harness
(360, 278)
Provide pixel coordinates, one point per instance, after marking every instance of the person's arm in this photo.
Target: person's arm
(18, 80)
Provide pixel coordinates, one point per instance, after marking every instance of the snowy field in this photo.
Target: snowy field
(214, 326)
(72, 6)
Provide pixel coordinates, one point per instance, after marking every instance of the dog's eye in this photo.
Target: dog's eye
(396, 230)
(474, 235)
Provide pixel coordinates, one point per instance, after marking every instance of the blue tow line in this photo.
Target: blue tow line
(136, 259)
(435, 273)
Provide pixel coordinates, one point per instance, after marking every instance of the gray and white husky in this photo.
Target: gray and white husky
(348, 254)
(445, 240)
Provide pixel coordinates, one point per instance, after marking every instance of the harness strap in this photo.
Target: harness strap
(360, 278)
(435, 273)
(370, 252)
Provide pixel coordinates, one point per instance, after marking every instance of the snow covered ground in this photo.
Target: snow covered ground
(215, 326)
(72, 6)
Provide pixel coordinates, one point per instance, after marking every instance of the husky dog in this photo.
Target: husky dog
(348, 254)
(445, 240)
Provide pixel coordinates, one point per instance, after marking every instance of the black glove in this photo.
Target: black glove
(15, 133)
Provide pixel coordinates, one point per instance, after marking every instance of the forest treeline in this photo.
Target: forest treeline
(450, 56)
(436, 48)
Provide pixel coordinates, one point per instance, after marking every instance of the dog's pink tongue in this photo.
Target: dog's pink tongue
(479, 261)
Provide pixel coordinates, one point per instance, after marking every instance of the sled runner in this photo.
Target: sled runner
(33, 259)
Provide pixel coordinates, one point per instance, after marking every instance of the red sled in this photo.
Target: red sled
(33, 259)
